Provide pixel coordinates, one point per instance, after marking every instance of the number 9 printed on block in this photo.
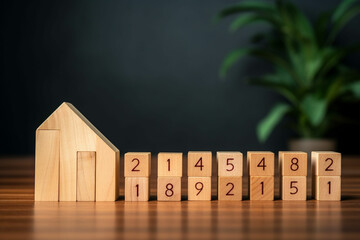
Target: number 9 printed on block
(230, 172)
(199, 175)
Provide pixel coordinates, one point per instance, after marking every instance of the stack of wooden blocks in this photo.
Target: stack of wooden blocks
(199, 175)
(230, 172)
(326, 171)
(261, 175)
(169, 176)
(137, 173)
(293, 171)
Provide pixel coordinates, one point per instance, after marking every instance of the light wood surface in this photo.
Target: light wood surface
(199, 164)
(261, 163)
(328, 188)
(326, 163)
(22, 218)
(47, 165)
(230, 188)
(78, 134)
(199, 188)
(170, 164)
(261, 188)
(229, 164)
(137, 189)
(137, 164)
(293, 163)
(169, 188)
(293, 188)
(86, 162)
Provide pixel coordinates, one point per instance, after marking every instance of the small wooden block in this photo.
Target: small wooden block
(199, 188)
(85, 184)
(199, 164)
(169, 189)
(47, 159)
(326, 163)
(261, 188)
(137, 164)
(230, 164)
(136, 189)
(328, 188)
(293, 188)
(293, 163)
(230, 188)
(170, 164)
(261, 163)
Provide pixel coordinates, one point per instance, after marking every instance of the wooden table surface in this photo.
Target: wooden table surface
(22, 218)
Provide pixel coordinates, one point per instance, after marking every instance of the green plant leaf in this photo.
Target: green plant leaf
(354, 88)
(314, 108)
(267, 125)
(321, 27)
(344, 13)
(279, 83)
(246, 6)
(245, 19)
(231, 58)
(341, 9)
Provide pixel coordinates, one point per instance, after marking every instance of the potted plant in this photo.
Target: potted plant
(308, 68)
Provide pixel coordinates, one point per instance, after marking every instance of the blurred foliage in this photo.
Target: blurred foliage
(308, 68)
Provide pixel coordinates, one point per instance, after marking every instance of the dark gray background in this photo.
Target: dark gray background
(145, 73)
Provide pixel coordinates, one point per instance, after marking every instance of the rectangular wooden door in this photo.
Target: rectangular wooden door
(85, 185)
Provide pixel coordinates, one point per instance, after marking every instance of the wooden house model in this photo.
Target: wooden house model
(73, 160)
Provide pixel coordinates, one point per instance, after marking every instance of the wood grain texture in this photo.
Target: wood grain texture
(325, 163)
(170, 164)
(47, 165)
(261, 188)
(293, 163)
(22, 218)
(197, 159)
(230, 188)
(328, 188)
(137, 164)
(137, 189)
(78, 134)
(293, 188)
(229, 164)
(199, 188)
(85, 185)
(261, 163)
(169, 189)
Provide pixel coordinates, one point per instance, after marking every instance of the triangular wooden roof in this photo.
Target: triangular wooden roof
(84, 119)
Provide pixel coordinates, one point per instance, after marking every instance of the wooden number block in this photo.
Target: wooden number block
(136, 189)
(260, 163)
(230, 188)
(47, 165)
(229, 163)
(169, 189)
(170, 164)
(85, 184)
(199, 164)
(326, 163)
(293, 188)
(328, 188)
(199, 188)
(137, 164)
(293, 163)
(261, 188)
